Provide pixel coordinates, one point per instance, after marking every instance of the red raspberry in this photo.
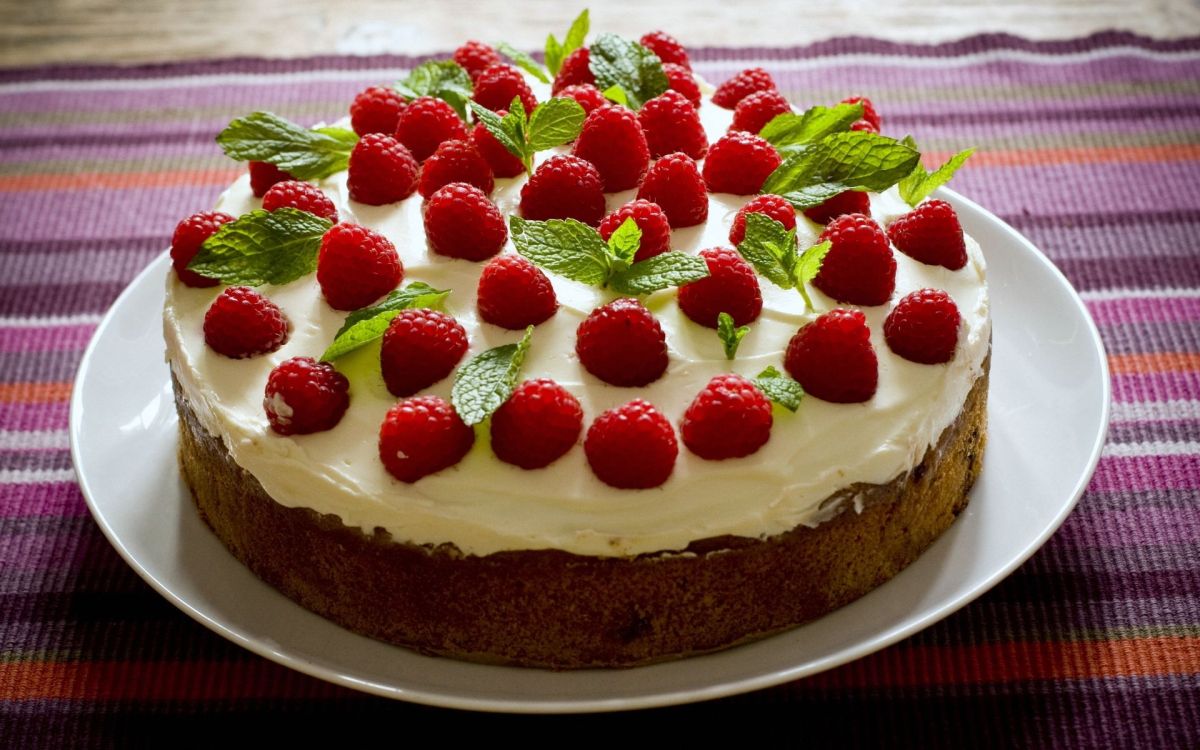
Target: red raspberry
(730, 287)
(263, 175)
(681, 79)
(500, 159)
(931, 234)
(743, 84)
(460, 222)
(420, 347)
(564, 187)
(455, 161)
(631, 447)
(672, 124)
(476, 57)
(376, 110)
(730, 418)
(674, 183)
(496, 87)
(189, 235)
(537, 425)
(421, 436)
(848, 202)
(382, 170)
(923, 327)
(514, 293)
(739, 163)
(356, 266)
(622, 344)
(242, 323)
(576, 69)
(305, 396)
(832, 358)
(425, 123)
(588, 96)
(860, 268)
(756, 110)
(668, 49)
(863, 126)
(773, 206)
(612, 139)
(302, 195)
(869, 113)
(656, 230)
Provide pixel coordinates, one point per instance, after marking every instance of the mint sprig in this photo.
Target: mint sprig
(617, 95)
(840, 162)
(919, 184)
(779, 388)
(616, 61)
(486, 381)
(790, 132)
(368, 324)
(771, 249)
(523, 61)
(557, 51)
(442, 79)
(731, 336)
(552, 123)
(305, 154)
(263, 247)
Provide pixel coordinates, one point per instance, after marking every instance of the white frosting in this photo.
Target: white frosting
(483, 505)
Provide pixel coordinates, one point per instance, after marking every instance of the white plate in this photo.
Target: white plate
(1048, 414)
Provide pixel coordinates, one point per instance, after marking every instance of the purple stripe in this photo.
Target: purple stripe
(22, 416)
(101, 213)
(1163, 386)
(1059, 234)
(140, 246)
(1144, 310)
(1119, 499)
(1156, 430)
(41, 367)
(35, 458)
(58, 299)
(1137, 526)
(1135, 338)
(43, 499)
(1146, 472)
(45, 338)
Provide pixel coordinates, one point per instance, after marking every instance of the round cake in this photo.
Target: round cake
(552, 566)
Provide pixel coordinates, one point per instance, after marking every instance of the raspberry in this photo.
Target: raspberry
(382, 170)
(674, 183)
(460, 222)
(537, 425)
(923, 327)
(743, 84)
(189, 235)
(564, 187)
(672, 124)
(730, 418)
(622, 344)
(631, 447)
(656, 230)
(305, 396)
(376, 110)
(863, 126)
(263, 175)
(514, 293)
(869, 113)
(476, 57)
(848, 202)
(832, 358)
(859, 268)
(756, 110)
(421, 436)
(356, 266)
(612, 140)
(931, 234)
(500, 159)
(496, 87)
(668, 49)
(576, 69)
(302, 195)
(420, 347)
(588, 96)
(774, 206)
(681, 79)
(730, 287)
(425, 123)
(455, 161)
(739, 163)
(242, 323)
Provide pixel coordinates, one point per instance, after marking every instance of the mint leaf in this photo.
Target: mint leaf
(263, 247)
(917, 186)
(554, 122)
(808, 268)
(523, 61)
(625, 241)
(780, 388)
(557, 51)
(771, 249)
(616, 94)
(564, 246)
(731, 336)
(659, 272)
(507, 130)
(616, 61)
(305, 154)
(485, 382)
(444, 79)
(792, 130)
(368, 324)
(840, 162)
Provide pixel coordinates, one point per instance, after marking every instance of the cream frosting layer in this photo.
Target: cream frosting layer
(483, 505)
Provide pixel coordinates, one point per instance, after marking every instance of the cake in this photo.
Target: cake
(552, 567)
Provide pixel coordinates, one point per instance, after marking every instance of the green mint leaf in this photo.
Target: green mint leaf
(771, 249)
(444, 79)
(840, 162)
(917, 186)
(523, 61)
(659, 272)
(779, 388)
(485, 382)
(625, 241)
(507, 130)
(616, 61)
(554, 54)
(556, 51)
(792, 130)
(566, 247)
(555, 122)
(616, 94)
(731, 336)
(263, 247)
(368, 324)
(808, 268)
(305, 154)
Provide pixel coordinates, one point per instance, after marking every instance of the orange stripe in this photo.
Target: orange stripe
(1134, 364)
(1101, 155)
(34, 393)
(117, 180)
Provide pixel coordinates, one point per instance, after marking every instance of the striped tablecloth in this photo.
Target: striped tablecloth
(1090, 147)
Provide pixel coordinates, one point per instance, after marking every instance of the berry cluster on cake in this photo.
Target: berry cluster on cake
(578, 363)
